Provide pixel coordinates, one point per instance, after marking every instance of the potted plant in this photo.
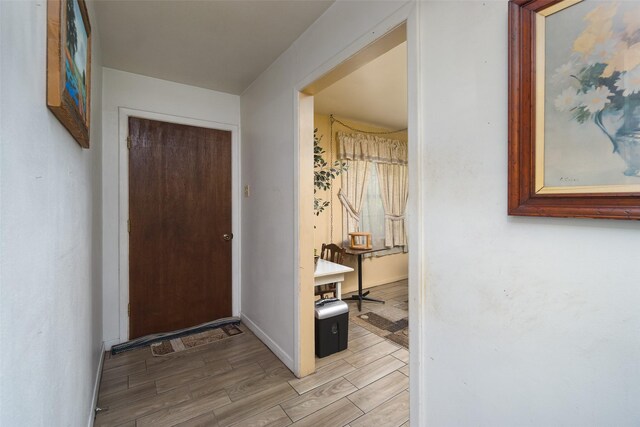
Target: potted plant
(323, 173)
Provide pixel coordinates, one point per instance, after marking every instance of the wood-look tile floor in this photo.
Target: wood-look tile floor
(239, 382)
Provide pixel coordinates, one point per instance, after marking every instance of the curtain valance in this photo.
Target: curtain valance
(371, 148)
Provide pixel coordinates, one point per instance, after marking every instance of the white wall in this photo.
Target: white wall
(133, 91)
(530, 321)
(268, 147)
(50, 278)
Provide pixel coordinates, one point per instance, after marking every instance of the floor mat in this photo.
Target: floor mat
(383, 323)
(175, 345)
(165, 336)
(401, 337)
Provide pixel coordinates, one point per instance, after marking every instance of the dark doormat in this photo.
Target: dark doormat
(401, 337)
(399, 330)
(384, 323)
(175, 345)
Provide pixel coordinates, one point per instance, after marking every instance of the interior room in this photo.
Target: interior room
(156, 177)
(368, 106)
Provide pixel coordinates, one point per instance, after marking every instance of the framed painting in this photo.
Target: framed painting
(69, 66)
(574, 108)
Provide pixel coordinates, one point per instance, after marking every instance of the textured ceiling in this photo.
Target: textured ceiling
(216, 44)
(376, 93)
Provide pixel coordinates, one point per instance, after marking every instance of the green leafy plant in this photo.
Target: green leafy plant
(323, 173)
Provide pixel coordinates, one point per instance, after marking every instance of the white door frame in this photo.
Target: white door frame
(123, 197)
(415, 213)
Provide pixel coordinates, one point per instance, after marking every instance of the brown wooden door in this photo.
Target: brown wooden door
(179, 212)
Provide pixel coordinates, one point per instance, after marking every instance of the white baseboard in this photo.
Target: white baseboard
(275, 348)
(96, 387)
(111, 343)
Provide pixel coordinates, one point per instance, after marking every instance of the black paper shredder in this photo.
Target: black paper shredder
(332, 326)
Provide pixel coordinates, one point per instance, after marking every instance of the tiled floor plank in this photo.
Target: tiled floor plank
(260, 354)
(126, 396)
(392, 413)
(208, 385)
(240, 382)
(113, 385)
(205, 420)
(364, 341)
(258, 383)
(337, 414)
(371, 354)
(184, 411)
(253, 404)
(127, 358)
(404, 370)
(402, 354)
(188, 377)
(166, 370)
(379, 391)
(140, 408)
(374, 371)
(274, 417)
(327, 360)
(316, 399)
(124, 370)
(322, 376)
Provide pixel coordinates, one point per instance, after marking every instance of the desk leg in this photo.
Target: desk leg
(339, 290)
(362, 296)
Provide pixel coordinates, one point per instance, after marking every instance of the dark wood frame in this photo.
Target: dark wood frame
(58, 99)
(523, 200)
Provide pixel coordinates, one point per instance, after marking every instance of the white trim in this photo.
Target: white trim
(123, 198)
(394, 20)
(295, 365)
(417, 284)
(111, 343)
(266, 339)
(415, 216)
(96, 388)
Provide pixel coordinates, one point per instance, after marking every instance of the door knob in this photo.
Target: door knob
(227, 237)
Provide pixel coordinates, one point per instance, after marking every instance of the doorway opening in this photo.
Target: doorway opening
(360, 103)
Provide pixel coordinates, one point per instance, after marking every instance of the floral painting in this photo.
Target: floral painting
(592, 95)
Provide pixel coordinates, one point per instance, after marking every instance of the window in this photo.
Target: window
(372, 214)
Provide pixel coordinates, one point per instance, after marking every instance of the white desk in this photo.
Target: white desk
(330, 272)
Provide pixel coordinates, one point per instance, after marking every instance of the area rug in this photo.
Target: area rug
(383, 323)
(398, 330)
(175, 345)
(401, 337)
(147, 340)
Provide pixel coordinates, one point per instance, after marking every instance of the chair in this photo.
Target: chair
(334, 253)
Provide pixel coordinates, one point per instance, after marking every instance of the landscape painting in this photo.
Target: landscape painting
(69, 66)
(591, 57)
(76, 57)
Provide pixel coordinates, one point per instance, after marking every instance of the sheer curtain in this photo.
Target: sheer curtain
(390, 158)
(352, 193)
(394, 190)
(372, 217)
